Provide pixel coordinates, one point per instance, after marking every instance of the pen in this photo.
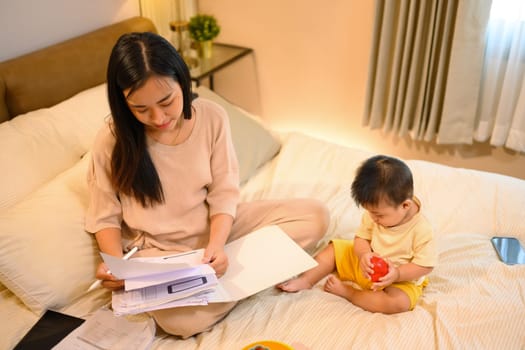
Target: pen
(128, 255)
(179, 255)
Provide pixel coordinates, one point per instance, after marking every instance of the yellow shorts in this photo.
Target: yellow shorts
(347, 265)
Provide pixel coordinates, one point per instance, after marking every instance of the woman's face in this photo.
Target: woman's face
(157, 104)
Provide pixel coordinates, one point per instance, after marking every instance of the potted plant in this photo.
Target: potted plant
(203, 29)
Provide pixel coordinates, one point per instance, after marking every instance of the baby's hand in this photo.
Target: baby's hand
(391, 277)
(366, 265)
(380, 268)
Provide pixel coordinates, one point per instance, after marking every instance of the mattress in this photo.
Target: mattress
(473, 300)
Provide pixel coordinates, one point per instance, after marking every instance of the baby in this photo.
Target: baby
(392, 227)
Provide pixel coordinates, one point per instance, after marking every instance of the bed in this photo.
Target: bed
(52, 103)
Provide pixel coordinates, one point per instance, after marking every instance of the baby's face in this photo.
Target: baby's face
(385, 214)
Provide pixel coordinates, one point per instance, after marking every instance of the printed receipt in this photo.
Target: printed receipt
(103, 330)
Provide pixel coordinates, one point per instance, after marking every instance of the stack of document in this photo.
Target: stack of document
(153, 283)
(257, 261)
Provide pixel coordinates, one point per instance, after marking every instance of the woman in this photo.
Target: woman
(164, 176)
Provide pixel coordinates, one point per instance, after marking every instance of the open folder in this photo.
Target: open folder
(257, 261)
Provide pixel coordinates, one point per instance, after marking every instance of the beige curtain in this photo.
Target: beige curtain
(465, 74)
(425, 68)
(501, 108)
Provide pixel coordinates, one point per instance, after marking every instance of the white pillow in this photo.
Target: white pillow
(47, 258)
(37, 146)
(468, 200)
(254, 143)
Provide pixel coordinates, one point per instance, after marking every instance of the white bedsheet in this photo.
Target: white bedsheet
(473, 300)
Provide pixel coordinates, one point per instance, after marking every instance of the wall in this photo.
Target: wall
(28, 25)
(309, 74)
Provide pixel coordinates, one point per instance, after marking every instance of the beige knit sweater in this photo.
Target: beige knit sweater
(199, 177)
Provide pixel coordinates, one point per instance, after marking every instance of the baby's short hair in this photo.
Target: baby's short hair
(382, 178)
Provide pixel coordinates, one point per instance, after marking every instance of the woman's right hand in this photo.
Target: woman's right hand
(109, 242)
(108, 280)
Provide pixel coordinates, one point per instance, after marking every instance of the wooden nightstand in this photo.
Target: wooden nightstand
(223, 55)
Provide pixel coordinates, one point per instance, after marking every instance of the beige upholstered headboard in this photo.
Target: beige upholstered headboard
(47, 76)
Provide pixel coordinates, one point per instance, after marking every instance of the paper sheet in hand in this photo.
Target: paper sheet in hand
(133, 268)
(258, 261)
(143, 272)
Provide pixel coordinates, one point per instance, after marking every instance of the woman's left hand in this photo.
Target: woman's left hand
(217, 259)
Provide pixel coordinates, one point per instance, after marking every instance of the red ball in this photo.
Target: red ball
(380, 268)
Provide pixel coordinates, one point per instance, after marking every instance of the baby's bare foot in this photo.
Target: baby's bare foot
(295, 285)
(335, 286)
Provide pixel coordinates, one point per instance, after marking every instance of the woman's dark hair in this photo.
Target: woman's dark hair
(382, 178)
(135, 58)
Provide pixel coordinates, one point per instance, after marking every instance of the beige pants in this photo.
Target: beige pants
(304, 220)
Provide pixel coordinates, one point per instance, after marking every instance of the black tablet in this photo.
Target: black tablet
(49, 330)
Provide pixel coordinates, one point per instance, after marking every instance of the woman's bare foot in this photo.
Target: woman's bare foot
(335, 286)
(295, 285)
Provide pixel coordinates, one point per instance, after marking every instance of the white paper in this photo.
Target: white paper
(165, 292)
(120, 308)
(257, 261)
(103, 330)
(152, 280)
(133, 268)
